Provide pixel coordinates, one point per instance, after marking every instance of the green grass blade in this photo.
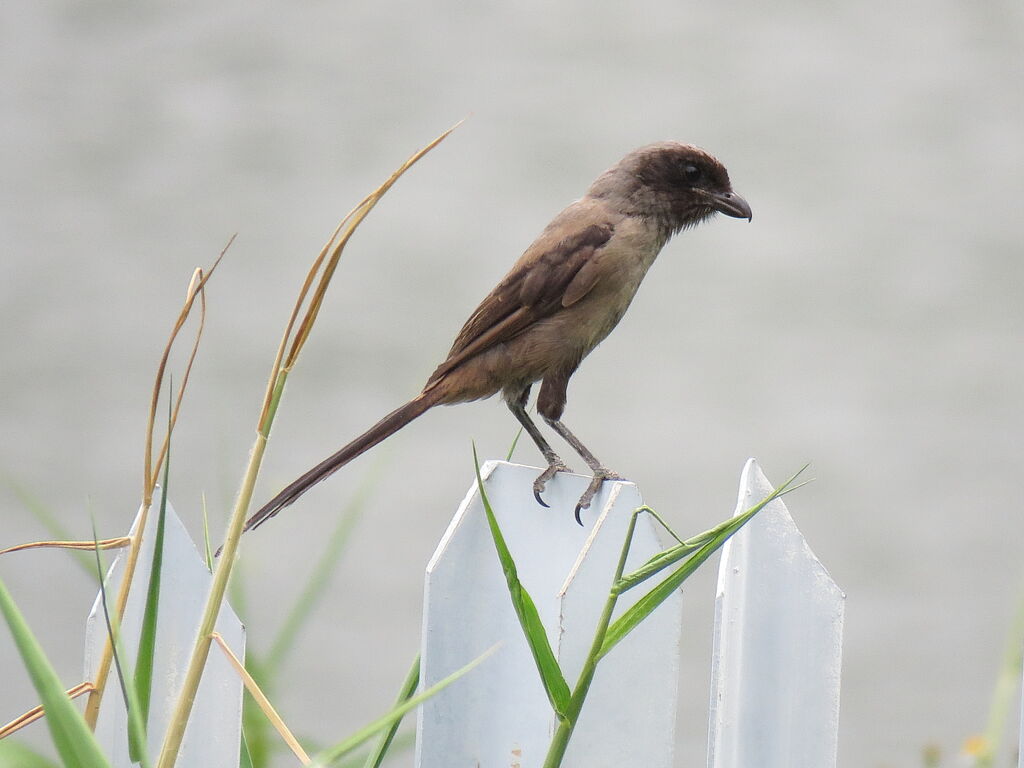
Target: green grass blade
(244, 758)
(631, 618)
(408, 689)
(653, 513)
(515, 442)
(207, 547)
(403, 742)
(137, 747)
(259, 734)
(14, 754)
(536, 636)
(674, 554)
(332, 754)
(75, 743)
(143, 680)
(654, 566)
(356, 758)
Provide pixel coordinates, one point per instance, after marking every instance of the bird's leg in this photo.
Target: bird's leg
(601, 473)
(517, 405)
(551, 404)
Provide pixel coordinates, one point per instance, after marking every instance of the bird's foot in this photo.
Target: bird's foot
(600, 475)
(555, 466)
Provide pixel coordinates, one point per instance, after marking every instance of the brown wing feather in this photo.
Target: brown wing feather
(534, 289)
(581, 283)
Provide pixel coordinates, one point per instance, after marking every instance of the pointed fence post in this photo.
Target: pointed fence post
(213, 736)
(498, 715)
(778, 645)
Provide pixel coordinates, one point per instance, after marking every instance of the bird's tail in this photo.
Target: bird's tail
(380, 431)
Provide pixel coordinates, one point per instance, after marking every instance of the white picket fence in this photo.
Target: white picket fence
(776, 662)
(777, 652)
(213, 735)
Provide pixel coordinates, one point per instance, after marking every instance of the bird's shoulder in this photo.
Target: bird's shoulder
(540, 277)
(551, 274)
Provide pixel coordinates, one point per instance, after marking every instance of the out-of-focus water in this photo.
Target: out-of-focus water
(869, 320)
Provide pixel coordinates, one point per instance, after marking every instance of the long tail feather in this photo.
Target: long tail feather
(380, 431)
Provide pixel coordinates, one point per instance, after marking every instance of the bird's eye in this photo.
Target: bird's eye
(692, 174)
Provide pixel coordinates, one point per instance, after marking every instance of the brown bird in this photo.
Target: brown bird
(560, 300)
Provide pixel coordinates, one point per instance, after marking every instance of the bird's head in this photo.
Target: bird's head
(679, 184)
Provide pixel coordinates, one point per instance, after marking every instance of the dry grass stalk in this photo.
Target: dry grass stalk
(88, 546)
(263, 702)
(37, 712)
(324, 266)
(196, 289)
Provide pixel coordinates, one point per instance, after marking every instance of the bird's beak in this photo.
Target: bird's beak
(731, 204)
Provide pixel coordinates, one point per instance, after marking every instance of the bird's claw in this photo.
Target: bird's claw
(579, 510)
(595, 485)
(554, 467)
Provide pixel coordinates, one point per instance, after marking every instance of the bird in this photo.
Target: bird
(560, 299)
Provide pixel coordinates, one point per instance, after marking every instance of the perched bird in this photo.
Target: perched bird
(560, 300)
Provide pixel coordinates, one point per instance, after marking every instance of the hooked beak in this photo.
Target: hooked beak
(731, 204)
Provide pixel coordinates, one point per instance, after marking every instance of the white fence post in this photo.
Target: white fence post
(213, 735)
(778, 645)
(498, 715)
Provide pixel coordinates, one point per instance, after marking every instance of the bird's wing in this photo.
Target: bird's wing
(546, 279)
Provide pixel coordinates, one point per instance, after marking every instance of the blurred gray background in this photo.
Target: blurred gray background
(869, 320)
